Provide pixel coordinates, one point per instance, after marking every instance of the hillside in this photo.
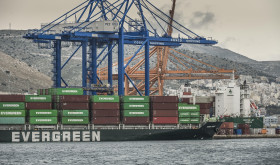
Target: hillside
(227, 59)
(272, 67)
(12, 44)
(17, 77)
(252, 68)
(217, 52)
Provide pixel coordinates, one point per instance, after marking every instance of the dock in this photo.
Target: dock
(245, 136)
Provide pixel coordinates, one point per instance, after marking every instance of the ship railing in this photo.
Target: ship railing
(12, 127)
(105, 127)
(124, 126)
(164, 126)
(189, 126)
(43, 127)
(75, 127)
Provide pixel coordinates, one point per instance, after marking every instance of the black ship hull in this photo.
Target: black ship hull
(205, 132)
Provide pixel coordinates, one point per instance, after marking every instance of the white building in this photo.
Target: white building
(227, 101)
(271, 121)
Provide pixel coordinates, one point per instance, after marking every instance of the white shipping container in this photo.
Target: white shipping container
(255, 131)
(200, 99)
(270, 131)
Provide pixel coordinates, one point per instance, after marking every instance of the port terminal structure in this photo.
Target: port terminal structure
(109, 24)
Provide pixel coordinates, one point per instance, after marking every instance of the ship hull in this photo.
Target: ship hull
(205, 132)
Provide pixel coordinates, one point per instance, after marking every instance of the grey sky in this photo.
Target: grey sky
(248, 27)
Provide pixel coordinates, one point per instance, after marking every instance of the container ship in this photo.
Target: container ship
(66, 115)
(232, 105)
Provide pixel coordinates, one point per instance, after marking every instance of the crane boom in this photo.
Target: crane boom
(164, 57)
(171, 12)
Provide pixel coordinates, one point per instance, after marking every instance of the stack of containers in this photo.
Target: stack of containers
(205, 103)
(164, 109)
(277, 130)
(227, 128)
(245, 128)
(42, 92)
(105, 110)
(135, 110)
(12, 109)
(188, 114)
(74, 109)
(40, 110)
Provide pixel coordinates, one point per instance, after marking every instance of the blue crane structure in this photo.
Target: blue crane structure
(108, 24)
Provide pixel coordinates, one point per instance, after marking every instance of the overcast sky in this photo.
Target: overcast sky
(248, 27)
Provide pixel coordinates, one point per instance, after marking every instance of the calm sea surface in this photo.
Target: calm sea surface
(241, 151)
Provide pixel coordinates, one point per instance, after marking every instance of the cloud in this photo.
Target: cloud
(202, 19)
(228, 41)
(179, 16)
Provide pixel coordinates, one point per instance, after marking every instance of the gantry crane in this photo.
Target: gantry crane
(185, 67)
(109, 25)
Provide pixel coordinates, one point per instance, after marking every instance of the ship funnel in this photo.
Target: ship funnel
(232, 75)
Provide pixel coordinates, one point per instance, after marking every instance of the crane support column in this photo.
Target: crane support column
(57, 45)
(84, 65)
(121, 63)
(94, 63)
(126, 84)
(147, 67)
(110, 64)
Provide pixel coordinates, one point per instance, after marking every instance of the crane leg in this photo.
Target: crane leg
(147, 67)
(94, 63)
(121, 63)
(84, 65)
(58, 63)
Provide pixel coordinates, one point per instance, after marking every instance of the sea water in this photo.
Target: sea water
(233, 151)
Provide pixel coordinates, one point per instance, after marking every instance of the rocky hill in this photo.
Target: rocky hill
(227, 59)
(18, 77)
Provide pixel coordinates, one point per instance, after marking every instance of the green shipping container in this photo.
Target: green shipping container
(66, 91)
(56, 99)
(43, 120)
(12, 113)
(42, 113)
(75, 120)
(184, 114)
(105, 99)
(188, 107)
(12, 105)
(38, 98)
(184, 120)
(77, 113)
(254, 122)
(195, 120)
(195, 114)
(136, 106)
(136, 113)
(136, 99)
(12, 120)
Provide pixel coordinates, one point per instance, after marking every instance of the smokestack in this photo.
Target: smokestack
(232, 76)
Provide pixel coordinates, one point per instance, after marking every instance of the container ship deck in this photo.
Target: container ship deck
(65, 114)
(110, 134)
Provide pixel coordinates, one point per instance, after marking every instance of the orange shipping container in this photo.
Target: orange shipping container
(263, 131)
(227, 125)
